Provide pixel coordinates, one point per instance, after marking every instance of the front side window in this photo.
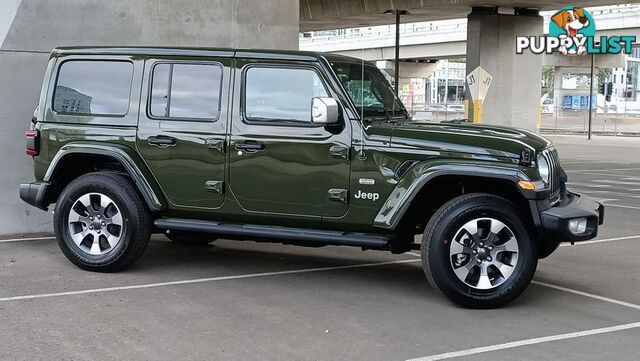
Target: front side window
(189, 91)
(93, 87)
(280, 94)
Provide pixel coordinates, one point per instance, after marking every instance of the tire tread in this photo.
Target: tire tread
(142, 229)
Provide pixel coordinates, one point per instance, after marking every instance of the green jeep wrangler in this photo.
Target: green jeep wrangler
(292, 147)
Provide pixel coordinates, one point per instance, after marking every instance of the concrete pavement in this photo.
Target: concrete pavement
(252, 301)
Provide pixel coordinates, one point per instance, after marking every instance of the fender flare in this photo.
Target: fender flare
(398, 202)
(125, 156)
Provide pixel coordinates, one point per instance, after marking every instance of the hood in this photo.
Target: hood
(474, 139)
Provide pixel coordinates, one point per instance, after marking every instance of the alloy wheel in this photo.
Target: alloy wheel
(484, 253)
(95, 224)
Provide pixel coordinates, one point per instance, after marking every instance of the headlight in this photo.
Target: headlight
(543, 168)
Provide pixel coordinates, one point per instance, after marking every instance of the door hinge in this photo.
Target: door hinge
(214, 186)
(339, 151)
(217, 144)
(338, 195)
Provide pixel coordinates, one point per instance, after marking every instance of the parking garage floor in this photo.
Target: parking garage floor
(252, 301)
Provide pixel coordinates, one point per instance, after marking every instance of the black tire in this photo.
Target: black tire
(437, 261)
(190, 238)
(133, 236)
(547, 248)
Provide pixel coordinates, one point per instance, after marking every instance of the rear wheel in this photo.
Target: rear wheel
(101, 222)
(190, 238)
(477, 251)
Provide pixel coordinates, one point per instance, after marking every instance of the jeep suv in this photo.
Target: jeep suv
(293, 147)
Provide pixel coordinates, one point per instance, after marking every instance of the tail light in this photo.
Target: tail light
(33, 142)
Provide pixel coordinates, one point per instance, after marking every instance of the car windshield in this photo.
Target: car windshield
(369, 89)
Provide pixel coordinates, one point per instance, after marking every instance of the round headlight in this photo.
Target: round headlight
(543, 168)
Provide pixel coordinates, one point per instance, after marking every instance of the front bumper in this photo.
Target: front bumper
(555, 220)
(34, 194)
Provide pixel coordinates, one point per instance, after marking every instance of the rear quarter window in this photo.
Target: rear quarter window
(93, 87)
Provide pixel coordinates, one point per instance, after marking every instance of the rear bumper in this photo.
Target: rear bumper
(33, 194)
(573, 206)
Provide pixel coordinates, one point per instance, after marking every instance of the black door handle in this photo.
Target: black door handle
(250, 146)
(162, 141)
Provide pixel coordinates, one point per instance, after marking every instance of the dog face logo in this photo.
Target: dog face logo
(575, 23)
(572, 21)
(572, 31)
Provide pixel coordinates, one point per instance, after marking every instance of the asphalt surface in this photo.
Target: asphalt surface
(251, 301)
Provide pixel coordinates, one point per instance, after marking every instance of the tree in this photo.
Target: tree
(603, 75)
(548, 77)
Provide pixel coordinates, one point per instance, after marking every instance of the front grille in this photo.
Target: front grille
(551, 155)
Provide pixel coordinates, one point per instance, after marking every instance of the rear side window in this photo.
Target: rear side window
(275, 94)
(93, 87)
(186, 91)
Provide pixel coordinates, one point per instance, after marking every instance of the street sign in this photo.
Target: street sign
(479, 82)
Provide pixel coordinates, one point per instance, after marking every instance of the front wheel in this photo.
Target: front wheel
(477, 251)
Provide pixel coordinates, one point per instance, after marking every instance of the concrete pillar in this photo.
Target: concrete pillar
(41, 25)
(514, 96)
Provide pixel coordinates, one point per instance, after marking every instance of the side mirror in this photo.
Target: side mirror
(324, 111)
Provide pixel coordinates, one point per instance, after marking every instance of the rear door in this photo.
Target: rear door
(182, 129)
(280, 163)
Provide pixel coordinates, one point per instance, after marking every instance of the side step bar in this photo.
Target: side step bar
(276, 234)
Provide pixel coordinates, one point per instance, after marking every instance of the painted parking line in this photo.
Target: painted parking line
(616, 182)
(599, 241)
(598, 173)
(201, 280)
(589, 185)
(602, 170)
(25, 239)
(533, 341)
(621, 206)
(527, 342)
(581, 293)
(586, 294)
(587, 160)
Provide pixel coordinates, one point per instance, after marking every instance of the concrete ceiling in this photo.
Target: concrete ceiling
(337, 14)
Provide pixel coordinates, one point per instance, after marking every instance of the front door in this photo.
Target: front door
(181, 133)
(280, 162)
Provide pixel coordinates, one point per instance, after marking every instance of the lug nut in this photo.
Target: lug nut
(98, 231)
(490, 248)
(479, 260)
(103, 224)
(474, 252)
(488, 258)
(91, 227)
(481, 244)
(91, 218)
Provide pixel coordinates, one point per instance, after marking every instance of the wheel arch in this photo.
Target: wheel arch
(75, 159)
(447, 180)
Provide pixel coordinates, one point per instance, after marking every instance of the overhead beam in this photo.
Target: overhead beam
(339, 14)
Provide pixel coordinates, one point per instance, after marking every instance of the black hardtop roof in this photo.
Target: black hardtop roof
(204, 52)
